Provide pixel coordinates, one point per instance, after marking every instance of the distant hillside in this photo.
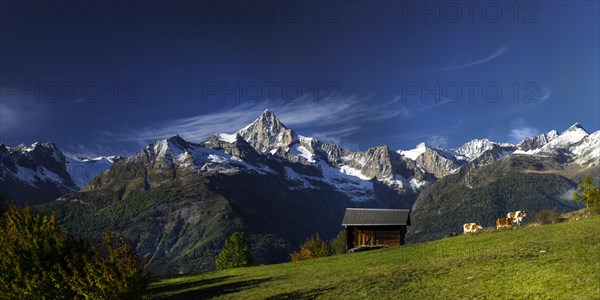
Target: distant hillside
(517, 182)
(557, 261)
(182, 225)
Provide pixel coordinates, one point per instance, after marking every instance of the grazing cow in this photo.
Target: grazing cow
(471, 227)
(516, 216)
(502, 223)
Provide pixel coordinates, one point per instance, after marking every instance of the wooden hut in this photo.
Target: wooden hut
(374, 228)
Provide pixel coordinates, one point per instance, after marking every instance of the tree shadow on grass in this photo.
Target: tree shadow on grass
(303, 295)
(200, 290)
(185, 285)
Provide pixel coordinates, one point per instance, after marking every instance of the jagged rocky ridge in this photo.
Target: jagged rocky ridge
(178, 200)
(407, 172)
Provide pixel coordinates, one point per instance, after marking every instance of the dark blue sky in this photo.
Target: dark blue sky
(100, 79)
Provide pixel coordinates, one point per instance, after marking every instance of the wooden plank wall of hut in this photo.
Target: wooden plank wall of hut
(370, 236)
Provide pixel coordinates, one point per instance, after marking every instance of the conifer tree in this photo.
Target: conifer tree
(338, 245)
(236, 253)
(588, 193)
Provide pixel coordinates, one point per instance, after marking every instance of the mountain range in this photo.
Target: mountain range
(177, 201)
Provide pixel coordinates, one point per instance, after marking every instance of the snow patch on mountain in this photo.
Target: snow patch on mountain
(218, 160)
(414, 153)
(33, 176)
(302, 180)
(229, 138)
(356, 188)
(83, 169)
(299, 150)
(398, 182)
(587, 152)
(306, 139)
(417, 185)
(353, 172)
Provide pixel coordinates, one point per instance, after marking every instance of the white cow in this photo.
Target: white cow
(516, 216)
(471, 227)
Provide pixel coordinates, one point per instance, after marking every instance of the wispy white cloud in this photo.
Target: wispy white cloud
(408, 112)
(333, 118)
(19, 117)
(519, 134)
(568, 194)
(496, 54)
(75, 149)
(437, 140)
(8, 117)
(521, 130)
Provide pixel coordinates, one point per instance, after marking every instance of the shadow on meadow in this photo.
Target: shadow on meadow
(304, 295)
(206, 288)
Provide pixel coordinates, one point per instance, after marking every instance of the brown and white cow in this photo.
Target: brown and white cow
(504, 223)
(516, 216)
(471, 227)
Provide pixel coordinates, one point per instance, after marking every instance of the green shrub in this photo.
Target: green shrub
(312, 248)
(547, 217)
(236, 253)
(39, 260)
(595, 209)
(118, 274)
(338, 244)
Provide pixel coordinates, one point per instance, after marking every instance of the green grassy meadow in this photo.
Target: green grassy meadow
(558, 261)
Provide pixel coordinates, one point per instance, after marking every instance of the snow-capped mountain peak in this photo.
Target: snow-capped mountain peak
(267, 133)
(307, 162)
(33, 173)
(574, 143)
(39, 149)
(566, 139)
(475, 148)
(576, 128)
(537, 142)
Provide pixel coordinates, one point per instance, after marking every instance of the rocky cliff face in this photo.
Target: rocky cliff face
(439, 162)
(33, 174)
(537, 142)
(267, 133)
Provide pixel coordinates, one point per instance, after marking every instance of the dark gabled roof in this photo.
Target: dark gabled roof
(376, 216)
